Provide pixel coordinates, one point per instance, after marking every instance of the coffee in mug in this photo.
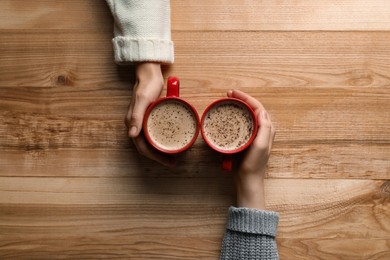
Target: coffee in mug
(171, 125)
(228, 126)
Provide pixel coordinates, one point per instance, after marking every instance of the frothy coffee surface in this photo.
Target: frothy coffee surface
(171, 125)
(228, 125)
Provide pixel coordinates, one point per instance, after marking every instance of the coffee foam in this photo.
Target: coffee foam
(228, 125)
(171, 125)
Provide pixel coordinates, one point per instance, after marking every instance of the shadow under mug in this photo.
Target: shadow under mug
(173, 87)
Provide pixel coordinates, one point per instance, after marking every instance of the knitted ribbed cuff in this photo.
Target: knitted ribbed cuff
(129, 50)
(253, 221)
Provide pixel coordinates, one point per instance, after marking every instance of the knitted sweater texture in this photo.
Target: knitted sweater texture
(250, 234)
(142, 32)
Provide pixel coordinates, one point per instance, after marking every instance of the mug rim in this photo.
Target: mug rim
(254, 132)
(146, 117)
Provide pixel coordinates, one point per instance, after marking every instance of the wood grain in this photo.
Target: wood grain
(339, 249)
(127, 212)
(323, 105)
(317, 161)
(247, 59)
(63, 14)
(280, 15)
(316, 142)
(73, 186)
(194, 15)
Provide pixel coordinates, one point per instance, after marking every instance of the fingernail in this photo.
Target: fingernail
(133, 131)
(230, 93)
(264, 114)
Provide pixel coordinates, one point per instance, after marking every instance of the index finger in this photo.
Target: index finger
(251, 101)
(144, 149)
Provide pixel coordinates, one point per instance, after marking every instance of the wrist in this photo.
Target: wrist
(250, 191)
(147, 71)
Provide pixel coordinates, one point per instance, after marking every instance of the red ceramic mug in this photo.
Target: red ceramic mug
(229, 126)
(171, 124)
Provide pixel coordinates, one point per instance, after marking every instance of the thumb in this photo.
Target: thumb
(260, 145)
(137, 116)
(263, 137)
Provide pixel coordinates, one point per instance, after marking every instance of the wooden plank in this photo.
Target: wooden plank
(334, 248)
(309, 50)
(330, 160)
(319, 161)
(58, 59)
(247, 59)
(280, 15)
(316, 131)
(192, 15)
(115, 231)
(308, 208)
(60, 14)
(102, 162)
(327, 114)
(312, 213)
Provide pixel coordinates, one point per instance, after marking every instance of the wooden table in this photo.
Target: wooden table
(73, 186)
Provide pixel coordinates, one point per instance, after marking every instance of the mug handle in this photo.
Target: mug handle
(227, 164)
(173, 87)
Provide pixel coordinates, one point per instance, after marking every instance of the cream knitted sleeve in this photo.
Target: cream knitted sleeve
(142, 31)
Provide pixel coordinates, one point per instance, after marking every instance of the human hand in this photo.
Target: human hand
(147, 89)
(250, 177)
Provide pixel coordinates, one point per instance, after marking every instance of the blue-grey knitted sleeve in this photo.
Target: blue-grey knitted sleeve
(250, 234)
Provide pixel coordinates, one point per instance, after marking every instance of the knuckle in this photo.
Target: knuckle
(127, 118)
(266, 125)
(262, 147)
(135, 117)
(141, 95)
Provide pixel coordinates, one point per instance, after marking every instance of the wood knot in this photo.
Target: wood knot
(385, 188)
(361, 78)
(65, 80)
